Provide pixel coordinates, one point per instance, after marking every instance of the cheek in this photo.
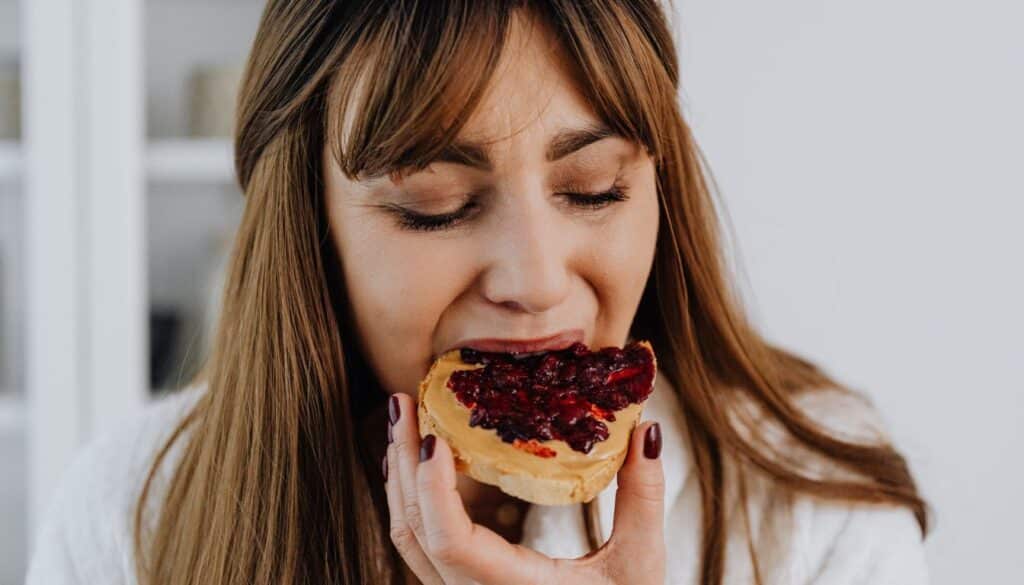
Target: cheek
(396, 286)
(398, 291)
(623, 251)
(620, 261)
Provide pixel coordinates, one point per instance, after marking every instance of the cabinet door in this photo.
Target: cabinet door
(117, 203)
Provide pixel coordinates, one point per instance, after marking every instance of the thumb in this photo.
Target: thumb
(638, 531)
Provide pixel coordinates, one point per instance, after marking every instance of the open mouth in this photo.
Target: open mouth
(523, 347)
(525, 354)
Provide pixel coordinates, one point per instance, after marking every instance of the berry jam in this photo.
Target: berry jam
(565, 394)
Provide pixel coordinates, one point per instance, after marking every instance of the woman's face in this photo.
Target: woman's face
(523, 260)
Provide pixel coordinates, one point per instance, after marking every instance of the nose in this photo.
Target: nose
(529, 256)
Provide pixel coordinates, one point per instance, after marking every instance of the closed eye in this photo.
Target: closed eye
(414, 221)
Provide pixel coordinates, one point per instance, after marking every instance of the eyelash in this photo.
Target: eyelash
(409, 220)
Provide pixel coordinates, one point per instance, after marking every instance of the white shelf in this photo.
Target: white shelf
(204, 160)
(208, 160)
(10, 159)
(12, 412)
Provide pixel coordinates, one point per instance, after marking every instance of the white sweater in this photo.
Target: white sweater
(86, 538)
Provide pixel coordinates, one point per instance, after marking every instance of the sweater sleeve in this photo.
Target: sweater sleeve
(86, 533)
(84, 536)
(876, 545)
(51, 560)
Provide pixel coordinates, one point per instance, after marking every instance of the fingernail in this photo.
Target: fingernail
(427, 447)
(391, 434)
(384, 467)
(652, 441)
(394, 410)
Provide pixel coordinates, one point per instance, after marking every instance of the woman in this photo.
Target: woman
(421, 174)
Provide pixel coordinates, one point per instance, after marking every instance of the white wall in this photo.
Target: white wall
(870, 156)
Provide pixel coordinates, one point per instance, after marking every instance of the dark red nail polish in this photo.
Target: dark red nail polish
(652, 441)
(427, 447)
(391, 434)
(394, 410)
(384, 467)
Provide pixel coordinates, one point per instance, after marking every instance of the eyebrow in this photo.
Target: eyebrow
(569, 141)
(562, 144)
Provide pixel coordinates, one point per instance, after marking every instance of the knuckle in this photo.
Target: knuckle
(401, 536)
(446, 549)
(401, 439)
(647, 487)
(413, 517)
(591, 569)
(651, 564)
(430, 483)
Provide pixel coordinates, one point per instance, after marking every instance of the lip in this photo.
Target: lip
(560, 340)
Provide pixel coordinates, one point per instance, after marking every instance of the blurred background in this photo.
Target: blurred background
(869, 157)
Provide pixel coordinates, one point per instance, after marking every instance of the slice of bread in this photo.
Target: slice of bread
(568, 477)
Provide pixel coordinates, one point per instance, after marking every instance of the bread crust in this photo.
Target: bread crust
(570, 477)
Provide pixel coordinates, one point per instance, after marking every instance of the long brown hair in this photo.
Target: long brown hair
(271, 485)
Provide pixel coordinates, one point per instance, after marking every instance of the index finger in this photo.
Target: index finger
(456, 543)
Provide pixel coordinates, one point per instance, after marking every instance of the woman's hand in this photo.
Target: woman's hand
(441, 545)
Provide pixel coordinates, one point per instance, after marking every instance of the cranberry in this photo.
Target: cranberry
(565, 394)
